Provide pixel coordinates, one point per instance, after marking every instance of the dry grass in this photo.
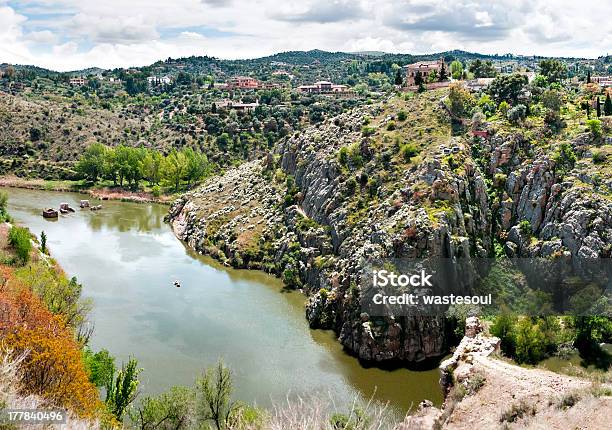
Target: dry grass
(320, 414)
(11, 398)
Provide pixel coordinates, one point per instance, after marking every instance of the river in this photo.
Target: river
(127, 259)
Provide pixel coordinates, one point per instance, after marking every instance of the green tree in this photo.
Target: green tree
(197, 166)
(399, 79)
(503, 328)
(456, 69)
(516, 114)
(590, 331)
(174, 167)
(564, 158)
(19, 239)
(173, 410)
(418, 79)
(507, 88)
(608, 105)
(443, 76)
(135, 85)
(3, 204)
(150, 167)
(214, 397)
(530, 341)
(461, 100)
(91, 164)
(100, 367)
(121, 390)
(551, 99)
(595, 127)
(127, 164)
(598, 106)
(554, 70)
(482, 69)
(43, 242)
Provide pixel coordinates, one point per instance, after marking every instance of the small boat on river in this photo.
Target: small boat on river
(50, 213)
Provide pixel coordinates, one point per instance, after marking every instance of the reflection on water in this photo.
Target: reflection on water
(561, 364)
(128, 259)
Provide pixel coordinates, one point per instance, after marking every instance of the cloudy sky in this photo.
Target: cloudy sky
(73, 34)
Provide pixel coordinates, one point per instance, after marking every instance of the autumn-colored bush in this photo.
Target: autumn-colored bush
(53, 368)
(19, 307)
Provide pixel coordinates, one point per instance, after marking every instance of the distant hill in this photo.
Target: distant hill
(212, 65)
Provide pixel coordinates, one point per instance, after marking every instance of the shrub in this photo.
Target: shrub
(19, 239)
(367, 130)
(121, 390)
(343, 155)
(61, 295)
(156, 191)
(568, 400)
(351, 185)
(3, 204)
(517, 411)
(517, 114)
(402, 115)
(565, 158)
(99, 366)
(408, 151)
(391, 126)
(214, 397)
(43, 242)
(530, 342)
(460, 99)
(476, 382)
(594, 127)
(503, 108)
(525, 227)
(503, 328)
(478, 119)
(171, 410)
(599, 157)
(53, 368)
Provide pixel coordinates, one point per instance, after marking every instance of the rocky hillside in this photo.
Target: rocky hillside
(399, 179)
(55, 130)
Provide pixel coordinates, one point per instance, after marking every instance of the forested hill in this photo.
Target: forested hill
(320, 58)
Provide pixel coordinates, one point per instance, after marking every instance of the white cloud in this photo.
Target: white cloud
(42, 37)
(69, 34)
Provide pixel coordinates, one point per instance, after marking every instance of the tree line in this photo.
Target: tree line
(126, 165)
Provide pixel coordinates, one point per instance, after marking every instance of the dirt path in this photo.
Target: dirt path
(509, 386)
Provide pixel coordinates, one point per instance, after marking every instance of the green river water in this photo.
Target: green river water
(127, 260)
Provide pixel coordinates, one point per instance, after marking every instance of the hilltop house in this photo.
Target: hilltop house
(422, 69)
(603, 81)
(239, 106)
(325, 87)
(243, 82)
(157, 80)
(478, 84)
(78, 81)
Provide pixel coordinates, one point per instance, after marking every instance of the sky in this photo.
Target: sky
(74, 34)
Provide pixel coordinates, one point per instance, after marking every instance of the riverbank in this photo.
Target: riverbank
(127, 259)
(96, 192)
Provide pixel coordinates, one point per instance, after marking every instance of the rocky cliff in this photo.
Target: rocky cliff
(367, 184)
